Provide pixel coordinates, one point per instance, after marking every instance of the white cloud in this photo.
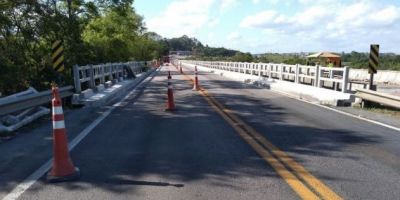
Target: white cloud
(227, 4)
(332, 24)
(234, 36)
(182, 17)
(273, 2)
(265, 19)
(310, 26)
(213, 22)
(317, 2)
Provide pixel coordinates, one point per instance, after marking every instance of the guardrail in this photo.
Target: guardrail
(29, 99)
(377, 97)
(303, 74)
(22, 108)
(99, 74)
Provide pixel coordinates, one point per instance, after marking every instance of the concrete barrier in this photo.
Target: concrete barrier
(111, 92)
(306, 92)
(382, 77)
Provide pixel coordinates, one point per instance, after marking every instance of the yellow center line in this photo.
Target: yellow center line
(288, 176)
(255, 138)
(300, 171)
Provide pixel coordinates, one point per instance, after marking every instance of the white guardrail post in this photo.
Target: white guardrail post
(345, 80)
(92, 84)
(296, 76)
(77, 79)
(102, 78)
(302, 74)
(110, 71)
(317, 82)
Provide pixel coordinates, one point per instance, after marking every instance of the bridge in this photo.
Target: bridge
(248, 131)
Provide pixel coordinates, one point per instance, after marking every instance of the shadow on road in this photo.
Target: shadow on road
(139, 144)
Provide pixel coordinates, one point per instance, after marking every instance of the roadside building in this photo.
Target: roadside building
(325, 59)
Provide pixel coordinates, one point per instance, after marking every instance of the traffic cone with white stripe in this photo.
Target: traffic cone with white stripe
(170, 103)
(63, 168)
(196, 80)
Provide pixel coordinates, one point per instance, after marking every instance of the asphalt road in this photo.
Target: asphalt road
(201, 151)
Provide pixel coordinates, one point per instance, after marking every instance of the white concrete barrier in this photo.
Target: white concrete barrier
(301, 91)
(383, 76)
(317, 76)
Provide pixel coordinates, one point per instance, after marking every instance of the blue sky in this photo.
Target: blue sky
(259, 26)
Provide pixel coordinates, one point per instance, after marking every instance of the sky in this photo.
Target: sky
(260, 26)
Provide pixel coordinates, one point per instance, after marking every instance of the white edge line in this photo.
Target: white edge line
(338, 111)
(31, 179)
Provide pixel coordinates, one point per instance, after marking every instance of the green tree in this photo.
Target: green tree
(242, 57)
(113, 36)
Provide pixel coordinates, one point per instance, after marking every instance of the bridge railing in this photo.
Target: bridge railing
(302, 74)
(98, 74)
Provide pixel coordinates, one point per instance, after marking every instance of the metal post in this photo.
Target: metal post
(77, 79)
(281, 72)
(296, 76)
(371, 82)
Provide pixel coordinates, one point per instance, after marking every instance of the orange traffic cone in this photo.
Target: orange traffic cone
(196, 80)
(170, 103)
(63, 169)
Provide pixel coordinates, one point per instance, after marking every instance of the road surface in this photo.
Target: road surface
(229, 141)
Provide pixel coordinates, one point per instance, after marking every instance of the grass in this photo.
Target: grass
(386, 111)
(382, 110)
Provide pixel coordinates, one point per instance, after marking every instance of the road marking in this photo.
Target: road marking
(339, 111)
(289, 177)
(253, 138)
(300, 171)
(31, 179)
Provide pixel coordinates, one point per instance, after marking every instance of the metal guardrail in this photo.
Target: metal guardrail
(15, 104)
(311, 75)
(99, 74)
(377, 97)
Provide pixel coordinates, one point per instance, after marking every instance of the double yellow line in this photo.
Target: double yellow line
(296, 176)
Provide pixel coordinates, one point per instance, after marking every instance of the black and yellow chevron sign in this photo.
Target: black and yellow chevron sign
(373, 59)
(57, 55)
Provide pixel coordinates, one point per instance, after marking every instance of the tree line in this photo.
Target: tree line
(101, 31)
(387, 61)
(92, 32)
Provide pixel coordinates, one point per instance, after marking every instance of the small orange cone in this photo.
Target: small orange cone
(63, 169)
(170, 103)
(196, 80)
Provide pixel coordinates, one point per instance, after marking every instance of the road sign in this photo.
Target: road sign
(57, 55)
(373, 59)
